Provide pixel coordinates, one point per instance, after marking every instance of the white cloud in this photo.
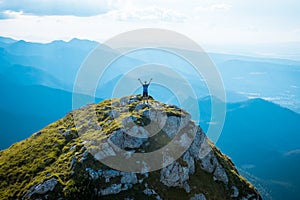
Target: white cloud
(152, 13)
(214, 7)
(8, 14)
(57, 7)
(224, 25)
(221, 6)
(122, 10)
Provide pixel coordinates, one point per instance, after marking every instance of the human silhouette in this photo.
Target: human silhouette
(145, 89)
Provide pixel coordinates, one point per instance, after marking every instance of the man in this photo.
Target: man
(145, 89)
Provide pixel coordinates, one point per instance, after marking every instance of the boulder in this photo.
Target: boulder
(41, 188)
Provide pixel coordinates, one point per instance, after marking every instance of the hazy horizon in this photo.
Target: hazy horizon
(263, 50)
(268, 28)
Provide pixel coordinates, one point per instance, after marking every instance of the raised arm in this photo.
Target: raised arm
(140, 81)
(150, 81)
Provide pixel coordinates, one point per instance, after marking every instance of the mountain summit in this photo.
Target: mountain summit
(121, 149)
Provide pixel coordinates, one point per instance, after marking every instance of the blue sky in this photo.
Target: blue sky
(212, 22)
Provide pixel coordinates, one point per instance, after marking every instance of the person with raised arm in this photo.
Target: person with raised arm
(145, 89)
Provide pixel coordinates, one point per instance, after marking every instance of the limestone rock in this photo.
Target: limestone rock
(198, 197)
(235, 192)
(42, 188)
(220, 174)
(124, 101)
(172, 126)
(174, 175)
(113, 189)
(93, 174)
(124, 139)
(128, 178)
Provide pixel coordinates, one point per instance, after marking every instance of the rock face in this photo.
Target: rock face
(68, 159)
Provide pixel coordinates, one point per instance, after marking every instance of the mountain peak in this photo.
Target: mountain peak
(74, 157)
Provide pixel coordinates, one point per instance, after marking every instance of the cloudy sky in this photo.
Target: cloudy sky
(222, 22)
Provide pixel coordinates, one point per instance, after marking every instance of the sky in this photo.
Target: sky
(222, 23)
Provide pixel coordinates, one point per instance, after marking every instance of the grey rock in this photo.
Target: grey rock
(128, 178)
(171, 126)
(84, 156)
(158, 120)
(235, 192)
(149, 192)
(92, 173)
(126, 186)
(124, 139)
(146, 114)
(113, 189)
(158, 197)
(134, 99)
(205, 150)
(129, 122)
(198, 197)
(41, 188)
(128, 153)
(124, 101)
(209, 163)
(220, 174)
(140, 106)
(106, 151)
(197, 143)
(115, 103)
(174, 124)
(73, 162)
(114, 114)
(190, 162)
(142, 133)
(67, 133)
(137, 131)
(108, 174)
(174, 175)
(132, 142)
(92, 124)
(185, 120)
(73, 148)
(184, 140)
(186, 187)
(250, 196)
(167, 159)
(100, 172)
(145, 169)
(37, 134)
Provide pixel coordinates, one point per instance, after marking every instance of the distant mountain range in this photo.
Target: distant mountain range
(263, 139)
(25, 109)
(57, 63)
(58, 59)
(260, 136)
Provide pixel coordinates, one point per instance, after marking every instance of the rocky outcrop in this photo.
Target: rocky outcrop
(79, 145)
(41, 188)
